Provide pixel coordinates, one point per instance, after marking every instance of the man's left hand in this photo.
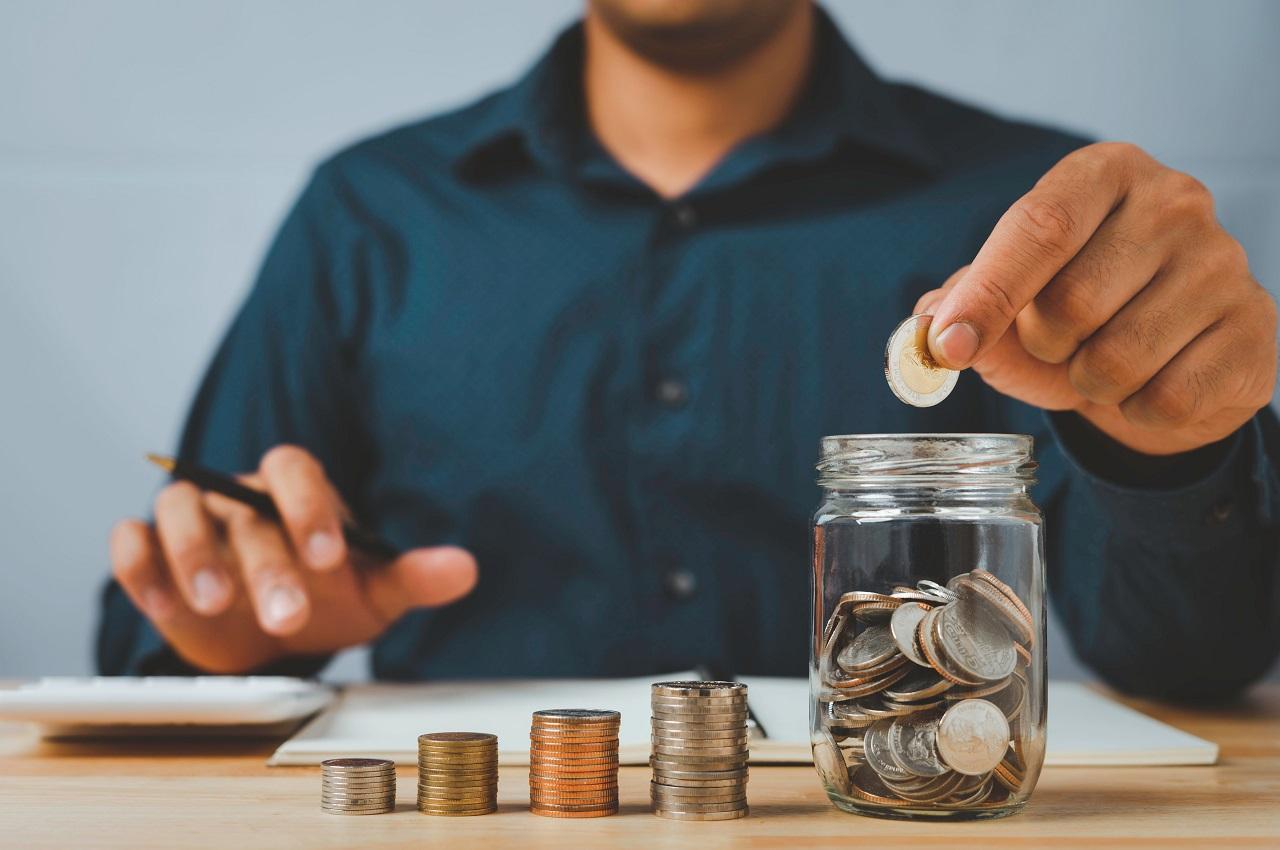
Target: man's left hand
(1111, 289)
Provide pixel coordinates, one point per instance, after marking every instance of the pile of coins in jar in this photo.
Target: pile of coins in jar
(921, 694)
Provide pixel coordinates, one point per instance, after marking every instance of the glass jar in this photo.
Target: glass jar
(926, 665)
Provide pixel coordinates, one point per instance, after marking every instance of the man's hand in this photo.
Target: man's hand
(231, 591)
(1110, 289)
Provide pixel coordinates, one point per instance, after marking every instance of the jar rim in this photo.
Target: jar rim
(922, 455)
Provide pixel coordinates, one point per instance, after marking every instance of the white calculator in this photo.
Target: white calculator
(104, 705)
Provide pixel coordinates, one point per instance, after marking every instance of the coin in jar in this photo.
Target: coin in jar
(972, 736)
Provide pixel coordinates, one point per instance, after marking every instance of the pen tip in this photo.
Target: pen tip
(164, 462)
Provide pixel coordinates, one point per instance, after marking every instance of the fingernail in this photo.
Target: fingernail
(158, 604)
(323, 549)
(283, 604)
(211, 590)
(958, 345)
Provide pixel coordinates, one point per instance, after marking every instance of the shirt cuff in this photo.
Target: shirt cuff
(1218, 485)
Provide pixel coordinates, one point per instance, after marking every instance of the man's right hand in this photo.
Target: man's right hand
(231, 591)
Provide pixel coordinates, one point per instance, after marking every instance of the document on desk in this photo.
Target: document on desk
(384, 721)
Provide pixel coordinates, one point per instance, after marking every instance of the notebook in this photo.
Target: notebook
(384, 721)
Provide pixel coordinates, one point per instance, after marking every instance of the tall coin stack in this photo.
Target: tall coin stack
(457, 773)
(573, 763)
(699, 750)
(357, 786)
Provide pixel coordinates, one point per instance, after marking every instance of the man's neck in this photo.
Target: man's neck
(669, 128)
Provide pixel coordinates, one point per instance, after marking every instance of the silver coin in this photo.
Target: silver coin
(672, 775)
(705, 795)
(662, 779)
(665, 761)
(913, 375)
(876, 748)
(695, 734)
(939, 591)
(918, 685)
(902, 625)
(707, 816)
(659, 725)
(1002, 607)
(972, 736)
(929, 790)
(1010, 699)
(913, 744)
(872, 646)
(831, 764)
(697, 688)
(345, 764)
(975, 642)
(585, 715)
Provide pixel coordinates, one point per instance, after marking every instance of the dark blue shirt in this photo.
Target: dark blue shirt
(492, 335)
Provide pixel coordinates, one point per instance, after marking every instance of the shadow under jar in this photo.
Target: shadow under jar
(926, 663)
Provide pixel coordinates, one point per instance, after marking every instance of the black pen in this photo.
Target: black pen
(215, 482)
(712, 673)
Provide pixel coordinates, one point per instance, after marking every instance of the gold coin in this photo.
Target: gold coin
(913, 375)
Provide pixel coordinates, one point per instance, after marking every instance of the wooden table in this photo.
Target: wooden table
(220, 794)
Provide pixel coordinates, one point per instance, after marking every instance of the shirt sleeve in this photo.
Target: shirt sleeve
(1165, 574)
(284, 373)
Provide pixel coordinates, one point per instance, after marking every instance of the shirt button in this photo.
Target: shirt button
(671, 393)
(686, 215)
(680, 584)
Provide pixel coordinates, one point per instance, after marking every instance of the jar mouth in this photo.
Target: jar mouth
(871, 457)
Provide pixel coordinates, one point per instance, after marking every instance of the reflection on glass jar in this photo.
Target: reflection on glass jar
(926, 667)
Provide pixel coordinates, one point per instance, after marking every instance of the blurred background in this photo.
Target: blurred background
(148, 150)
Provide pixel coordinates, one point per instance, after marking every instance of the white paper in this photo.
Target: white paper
(384, 721)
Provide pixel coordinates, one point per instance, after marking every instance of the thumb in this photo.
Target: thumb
(421, 578)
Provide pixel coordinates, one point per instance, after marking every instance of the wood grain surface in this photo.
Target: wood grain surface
(198, 794)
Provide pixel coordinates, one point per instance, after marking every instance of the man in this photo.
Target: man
(589, 330)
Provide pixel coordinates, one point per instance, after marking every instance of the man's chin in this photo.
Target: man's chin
(694, 36)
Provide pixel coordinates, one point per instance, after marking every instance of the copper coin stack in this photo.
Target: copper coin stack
(700, 750)
(573, 763)
(357, 786)
(457, 773)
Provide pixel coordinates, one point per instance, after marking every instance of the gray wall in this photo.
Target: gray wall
(148, 149)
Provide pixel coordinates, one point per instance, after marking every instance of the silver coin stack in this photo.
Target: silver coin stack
(700, 750)
(357, 786)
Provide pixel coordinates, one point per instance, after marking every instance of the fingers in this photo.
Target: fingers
(1138, 341)
(421, 578)
(308, 504)
(1123, 256)
(138, 566)
(190, 546)
(1207, 377)
(267, 566)
(1030, 244)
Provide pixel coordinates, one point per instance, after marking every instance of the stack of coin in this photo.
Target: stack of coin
(923, 692)
(700, 750)
(573, 763)
(357, 786)
(457, 773)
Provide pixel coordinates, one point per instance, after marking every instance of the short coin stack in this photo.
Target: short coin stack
(357, 786)
(573, 763)
(457, 773)
(700, 750)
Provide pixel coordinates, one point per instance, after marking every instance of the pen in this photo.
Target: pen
(215, 482)
(713, 673)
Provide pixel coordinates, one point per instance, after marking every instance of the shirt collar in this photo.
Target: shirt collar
(844, 106)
